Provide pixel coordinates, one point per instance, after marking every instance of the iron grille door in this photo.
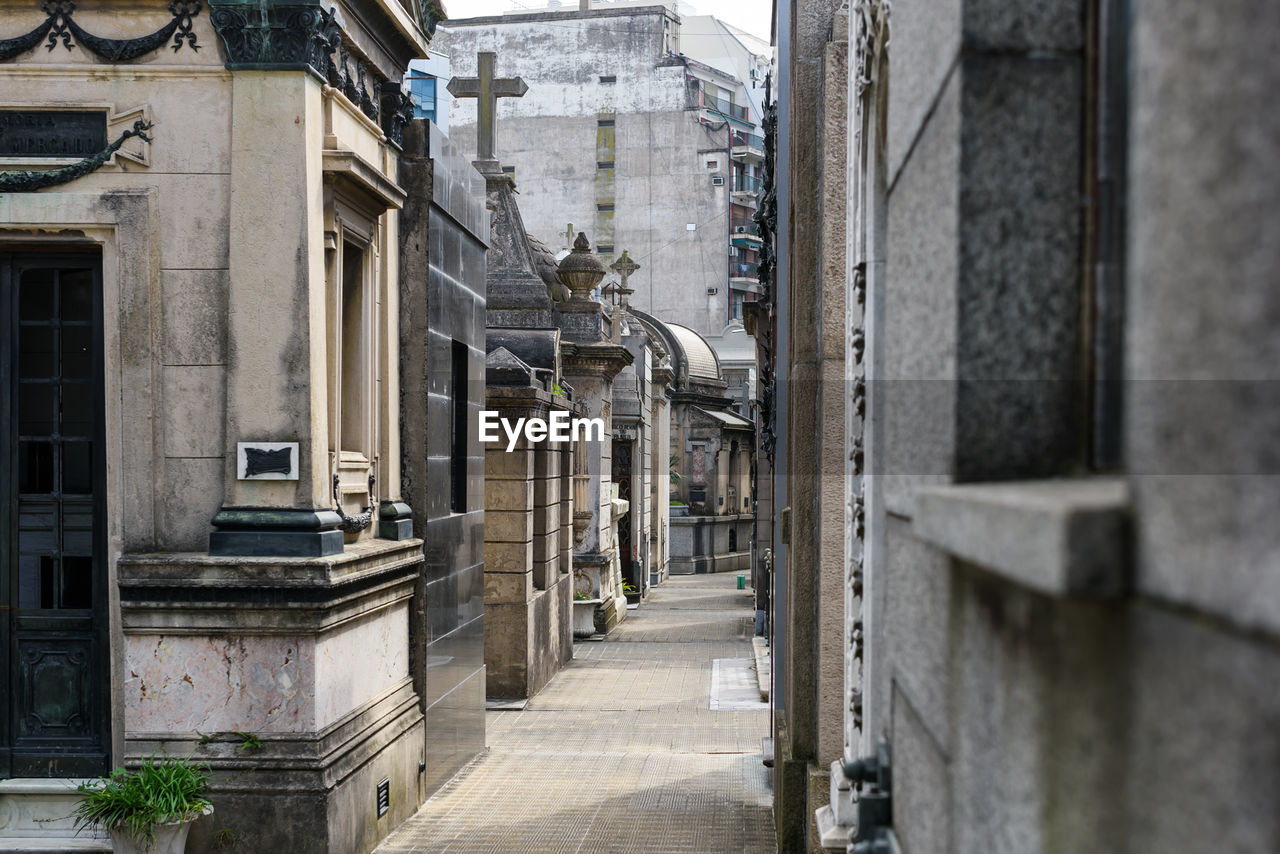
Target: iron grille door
(53, 573)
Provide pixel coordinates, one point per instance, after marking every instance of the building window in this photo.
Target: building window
(604, 249)
(608, 78)
(604, 164)
(353, 438)
(422, 89)
(604, 123)
(458, 430)
(508, 170)
(604, 208)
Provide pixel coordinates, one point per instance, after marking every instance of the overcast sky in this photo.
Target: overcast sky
(750, 15)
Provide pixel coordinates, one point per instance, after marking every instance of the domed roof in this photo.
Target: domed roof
(701, 358)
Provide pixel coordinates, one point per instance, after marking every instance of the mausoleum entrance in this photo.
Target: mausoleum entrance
(54, 669)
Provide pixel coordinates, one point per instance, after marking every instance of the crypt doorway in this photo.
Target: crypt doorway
(54, 669)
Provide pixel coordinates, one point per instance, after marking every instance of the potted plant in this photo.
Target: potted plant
(584, 614)
(630, 591)
(150, 810)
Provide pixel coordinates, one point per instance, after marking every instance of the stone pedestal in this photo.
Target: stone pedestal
(289, 677)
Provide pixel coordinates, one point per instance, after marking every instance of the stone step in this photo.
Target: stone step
(44, 845)
(36, 816)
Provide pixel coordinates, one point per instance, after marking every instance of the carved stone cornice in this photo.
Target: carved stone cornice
(599, 360)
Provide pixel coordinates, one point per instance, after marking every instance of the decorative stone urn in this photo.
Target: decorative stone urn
(584, 617)
(581, 270)
(170, 838)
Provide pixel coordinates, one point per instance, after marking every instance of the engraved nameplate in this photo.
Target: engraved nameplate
(52, 133)
(267, 460)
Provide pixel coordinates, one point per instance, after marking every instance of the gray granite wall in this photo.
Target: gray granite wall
(443, 302)
(1028, 713)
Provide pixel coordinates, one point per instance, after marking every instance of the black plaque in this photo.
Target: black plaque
(52, 133)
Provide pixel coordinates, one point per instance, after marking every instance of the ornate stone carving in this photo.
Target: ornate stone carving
(60, 26)
(581, 270)
(28, 181)
(872, 38)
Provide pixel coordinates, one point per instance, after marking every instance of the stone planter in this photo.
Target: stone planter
(584, 617)
(170, 838)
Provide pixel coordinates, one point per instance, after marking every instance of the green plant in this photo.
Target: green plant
(249, 741)
(628, 588)
(676, 503)
(225, 839)
(672, 462)
(558, 390)
(579, 596)
(163, 790)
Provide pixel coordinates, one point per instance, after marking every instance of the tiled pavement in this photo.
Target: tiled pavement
(622, 752)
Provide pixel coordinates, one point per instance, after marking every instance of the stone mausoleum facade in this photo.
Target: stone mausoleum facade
(230, 270)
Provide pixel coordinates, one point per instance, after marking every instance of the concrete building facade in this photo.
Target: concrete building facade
(214, 280)
(625, 137)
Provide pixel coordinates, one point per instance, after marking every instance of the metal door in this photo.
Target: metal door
(53, 573)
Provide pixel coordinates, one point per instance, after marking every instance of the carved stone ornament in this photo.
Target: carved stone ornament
(581, 270)
(872, 38)
(28, 181)
(297, 36)
(60, 26)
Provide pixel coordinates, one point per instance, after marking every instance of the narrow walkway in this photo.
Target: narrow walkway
(631, 748)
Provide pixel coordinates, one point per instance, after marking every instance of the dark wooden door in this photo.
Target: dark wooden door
(53, 572)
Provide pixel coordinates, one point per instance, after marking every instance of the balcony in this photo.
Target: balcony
(746, 184)
(726, 108)
(745, 234)
(748, 146)
(744, 273)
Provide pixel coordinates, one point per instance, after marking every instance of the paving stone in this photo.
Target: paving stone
(621, 752)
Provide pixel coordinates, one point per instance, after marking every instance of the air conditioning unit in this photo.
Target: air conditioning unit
(717, 180)
(712, 291)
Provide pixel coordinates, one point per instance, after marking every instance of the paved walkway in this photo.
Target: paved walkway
(631, 748)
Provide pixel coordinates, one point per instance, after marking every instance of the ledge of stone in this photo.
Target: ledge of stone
(1060, 537)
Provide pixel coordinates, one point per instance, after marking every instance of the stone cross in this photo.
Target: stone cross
(624, 267)
(568, 236)
(486, 90)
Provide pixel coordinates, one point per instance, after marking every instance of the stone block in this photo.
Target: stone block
(916, 397)
(189, 495)
(917, 616)
(921, 783)
(547, 520)
(1062, 537)
(193, 395)
(511, 495)
(202, 203)
(1018, 292)
(508, 557)
(500, 465)
(926, 41)
(1205, 737)
(507, 587)
(1203, 223)
(195, 316)
(1022, 25)
(508, 526)
(546, 546)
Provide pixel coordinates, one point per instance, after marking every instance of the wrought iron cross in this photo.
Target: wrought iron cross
(486, 90)
(624, 267)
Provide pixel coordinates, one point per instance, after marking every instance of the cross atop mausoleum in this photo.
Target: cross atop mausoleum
(486, 90)
(624, 267)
